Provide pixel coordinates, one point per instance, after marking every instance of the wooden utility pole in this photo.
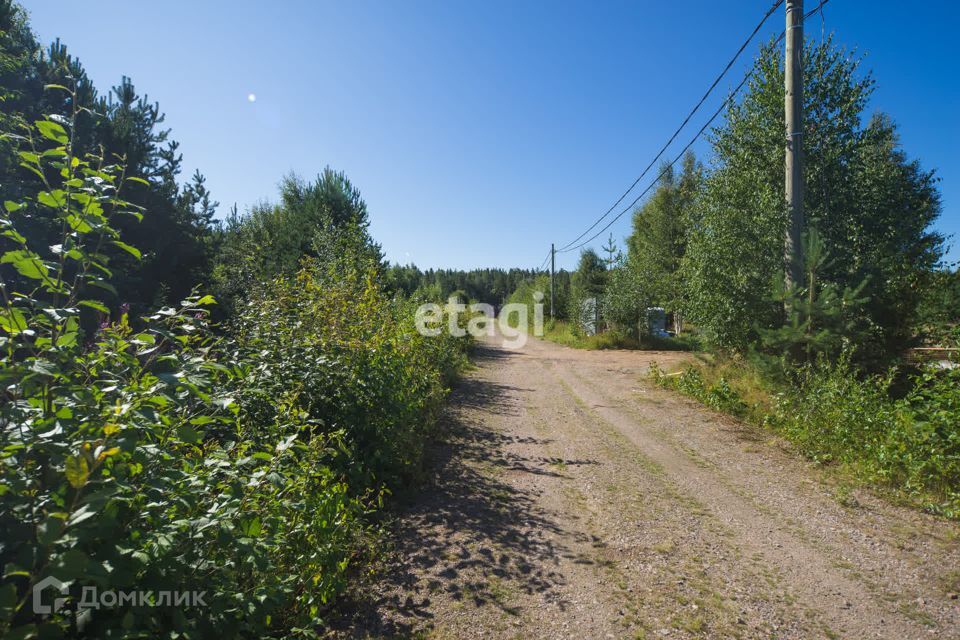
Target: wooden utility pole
(793, 109)
(553, 254)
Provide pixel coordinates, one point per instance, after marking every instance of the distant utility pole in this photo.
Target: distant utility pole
(793, 109)
(553, 254)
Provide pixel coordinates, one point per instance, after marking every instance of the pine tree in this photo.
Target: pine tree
(822, 317)
(612, 251)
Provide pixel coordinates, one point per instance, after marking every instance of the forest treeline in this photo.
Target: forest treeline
(191, 408)
(493, 286)
(823, 362)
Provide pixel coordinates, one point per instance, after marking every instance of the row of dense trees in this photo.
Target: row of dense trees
(492, 286)
(708, 244)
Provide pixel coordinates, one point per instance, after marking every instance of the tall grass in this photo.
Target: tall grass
(565, 333)
(836, 416)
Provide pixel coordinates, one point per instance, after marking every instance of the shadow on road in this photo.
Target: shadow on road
(468, 533)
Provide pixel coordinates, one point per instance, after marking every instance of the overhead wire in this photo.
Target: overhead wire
(723, 105)
(682, 125)
(544, 263)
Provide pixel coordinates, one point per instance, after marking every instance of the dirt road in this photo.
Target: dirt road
(574, 500)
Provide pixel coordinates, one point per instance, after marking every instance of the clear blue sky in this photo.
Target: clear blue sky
(478, 132)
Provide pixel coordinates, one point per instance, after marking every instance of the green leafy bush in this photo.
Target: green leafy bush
(330, 345)
(690, 381)
(912, 443)
(153, 457)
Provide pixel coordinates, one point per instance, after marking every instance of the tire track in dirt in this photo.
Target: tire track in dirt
(843, 604)
(677, 566)
(567, 502)
(897, 558)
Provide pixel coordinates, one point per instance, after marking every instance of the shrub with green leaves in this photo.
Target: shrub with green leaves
(148, 458)
(690, 381)
(912, 443)
(330, 345)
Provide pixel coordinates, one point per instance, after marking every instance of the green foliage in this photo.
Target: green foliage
(149, 455)
(629, 293)
(562, 332)
(537, 289)
(713, 252)
(833, 414)
(650, 276)
(590, 278)
(912, 443)
(176, 238)
(613, 253)
(690, 381)
(656, 248)
(821, 319)
(326, 219)
(330, 346)
(872, 207)
(939, 310)
(588, 281)
(493, 286)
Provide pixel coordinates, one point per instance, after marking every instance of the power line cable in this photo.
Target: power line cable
(666, 168)
(544, 263)
(682, 125)
(689, 144)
